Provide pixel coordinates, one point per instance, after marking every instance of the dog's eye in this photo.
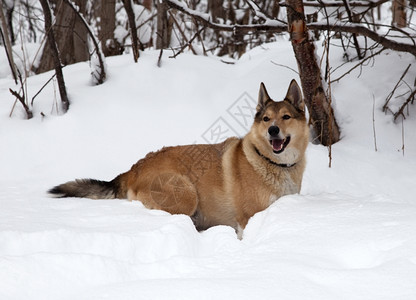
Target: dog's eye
(266, 119)
(286, 117)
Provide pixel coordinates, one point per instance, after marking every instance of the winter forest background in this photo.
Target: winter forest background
(82, 95)
(65, 32)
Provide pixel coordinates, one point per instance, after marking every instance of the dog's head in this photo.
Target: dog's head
(280, 128)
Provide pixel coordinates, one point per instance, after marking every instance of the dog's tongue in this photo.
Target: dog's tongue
(277, 144)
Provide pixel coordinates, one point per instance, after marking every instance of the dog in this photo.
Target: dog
(218, 184)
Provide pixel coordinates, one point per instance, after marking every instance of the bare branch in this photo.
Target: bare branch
(287, 67)
(22, 98)
(337, 3)
(385, 106)
(278, 27)
(400, 111)
(273, 26)
(374, 124)
(360, 29)
(188, 43)
(261, 14)
(359, 64)
(41, 89)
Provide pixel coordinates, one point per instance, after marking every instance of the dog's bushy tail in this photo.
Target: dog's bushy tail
(91, 188)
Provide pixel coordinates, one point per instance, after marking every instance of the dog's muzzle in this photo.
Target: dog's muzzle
(278, 144)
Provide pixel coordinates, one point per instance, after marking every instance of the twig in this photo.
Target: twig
(261, 14)
(188, 43)
(329, 93)
(275, 26)
(159, 60)
(385, 106)
(201, 40)
(374, 125)
(400, 111)
(403, 136)
(334, 3)
(29, 114)
(41, 89)
(227, 62)
(357, 65)
(327, 43)
(362, 30)
(287, 67)
(55, 102)
(354, 36)
(236, 29)
(22, 98)
(13, 107)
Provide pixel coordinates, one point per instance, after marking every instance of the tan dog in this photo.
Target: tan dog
(218, 184)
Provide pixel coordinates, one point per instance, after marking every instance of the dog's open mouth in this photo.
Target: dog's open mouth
(279, 145)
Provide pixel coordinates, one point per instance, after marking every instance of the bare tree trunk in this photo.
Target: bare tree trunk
(163, 27)
(107, 26)
(31, 28)
(319, 106)
(8, 44)
(399, 13)
(216, 10)
(71, 37)
(9, 6)
(55, 54)
(275, 9)
(133, 29)
(354, 36)
(98, 70)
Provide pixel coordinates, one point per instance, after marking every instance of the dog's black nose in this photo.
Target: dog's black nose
(274, 131)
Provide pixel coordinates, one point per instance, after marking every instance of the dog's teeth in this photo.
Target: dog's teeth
(277, 145)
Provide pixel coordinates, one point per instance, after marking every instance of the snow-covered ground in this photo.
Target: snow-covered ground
(349, 234)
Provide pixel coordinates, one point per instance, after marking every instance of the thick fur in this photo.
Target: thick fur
(219, 184)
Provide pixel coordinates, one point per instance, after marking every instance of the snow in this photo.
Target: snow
(349, 234)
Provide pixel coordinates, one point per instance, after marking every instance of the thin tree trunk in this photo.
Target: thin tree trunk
(31, 28)
(81, 50)
(133, 29)
(107, 27)
(163, 34)
(354, 36)
(9, 17)
(399, 13)
(216, 10)
(70, 35)
(319, 106)
(98, 71)
(8, 44)
(55, 54)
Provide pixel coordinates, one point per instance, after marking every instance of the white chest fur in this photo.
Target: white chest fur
(288, 187)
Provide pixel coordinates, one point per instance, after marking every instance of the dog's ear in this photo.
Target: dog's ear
(263, 97)
(294, 96)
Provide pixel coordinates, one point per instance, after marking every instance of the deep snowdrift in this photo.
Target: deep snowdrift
(350, 234)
